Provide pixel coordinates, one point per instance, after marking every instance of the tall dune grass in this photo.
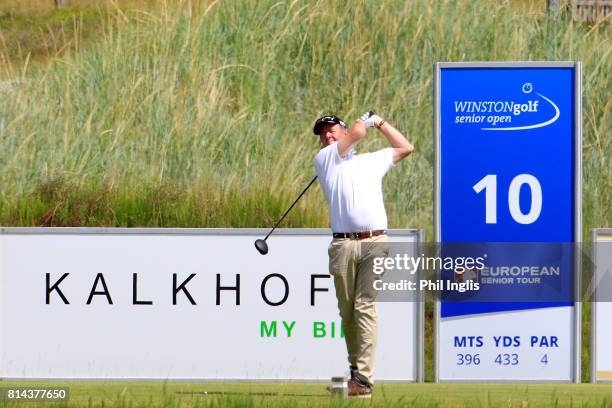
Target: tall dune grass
(201, 115)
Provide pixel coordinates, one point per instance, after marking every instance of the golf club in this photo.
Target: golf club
(261, 244)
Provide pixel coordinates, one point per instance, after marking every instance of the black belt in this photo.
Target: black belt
(359, 235)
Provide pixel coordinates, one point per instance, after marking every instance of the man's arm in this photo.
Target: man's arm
(401, 146)
(355, 134)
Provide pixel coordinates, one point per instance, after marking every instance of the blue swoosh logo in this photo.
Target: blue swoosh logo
(537, 125)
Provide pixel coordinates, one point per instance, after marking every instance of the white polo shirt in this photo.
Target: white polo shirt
(353, 187)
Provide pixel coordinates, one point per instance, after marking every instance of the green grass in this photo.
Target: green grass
(60, 203)
(304, 394)
(214, 107)
(36, 32)
(34, 7)
(27, 38)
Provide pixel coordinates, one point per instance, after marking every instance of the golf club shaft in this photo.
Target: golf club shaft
(287, 212)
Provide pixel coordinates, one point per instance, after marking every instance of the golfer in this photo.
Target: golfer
(352, 184)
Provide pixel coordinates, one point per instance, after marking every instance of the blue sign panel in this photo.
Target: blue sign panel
(503, 128)
(508, 172)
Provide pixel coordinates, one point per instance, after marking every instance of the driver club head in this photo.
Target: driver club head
(261, 246)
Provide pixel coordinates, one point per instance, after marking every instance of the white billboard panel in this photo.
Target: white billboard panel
(505, 345)
(188, 304)
(601, 307)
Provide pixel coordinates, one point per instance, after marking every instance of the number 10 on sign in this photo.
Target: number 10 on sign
(489, 184)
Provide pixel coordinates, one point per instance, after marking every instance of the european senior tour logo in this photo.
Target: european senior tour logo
(496, 115)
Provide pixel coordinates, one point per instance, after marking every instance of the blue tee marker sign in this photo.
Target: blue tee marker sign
(508, 187)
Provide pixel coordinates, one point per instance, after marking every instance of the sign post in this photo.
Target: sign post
(508, 137)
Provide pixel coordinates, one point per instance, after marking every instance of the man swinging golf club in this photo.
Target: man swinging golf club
(352, 184)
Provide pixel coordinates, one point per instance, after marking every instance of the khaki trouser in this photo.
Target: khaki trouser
(350, 263)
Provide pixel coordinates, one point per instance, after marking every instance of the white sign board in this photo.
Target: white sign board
(182, 304)
(601, 306)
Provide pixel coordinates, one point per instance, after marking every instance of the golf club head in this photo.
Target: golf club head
(262, 246)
